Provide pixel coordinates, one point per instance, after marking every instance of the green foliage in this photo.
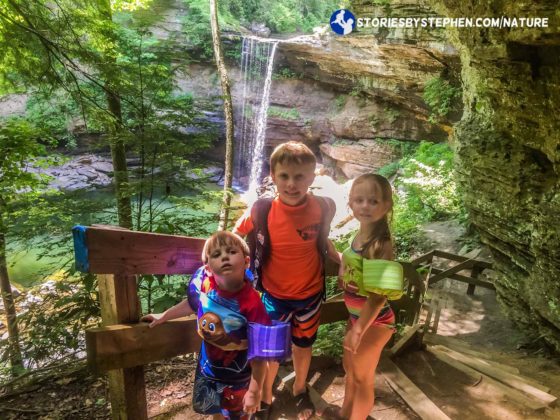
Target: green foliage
(404, 149)
(57, 314)
(355, 92)
(197, 27)
(159, 293)
(286, 73)
(339, 102)
(294, 15)
(54, 113)
(329, 340)
(391, 114)
(381, 2)
(330, 336)
(439, 95)
(281, 16)
(427, 191)
(286, 114)
(20, 143)
(130, 63)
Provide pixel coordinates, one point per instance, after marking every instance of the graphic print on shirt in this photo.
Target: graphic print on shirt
(310, 232)
(219, 325)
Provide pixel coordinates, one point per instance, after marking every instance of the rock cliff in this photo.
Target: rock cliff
(508, 153)
(339, 94)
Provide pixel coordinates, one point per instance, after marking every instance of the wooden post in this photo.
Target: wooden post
(476, 270)
(120, 304)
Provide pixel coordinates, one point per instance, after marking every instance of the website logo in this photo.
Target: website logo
(343, 22)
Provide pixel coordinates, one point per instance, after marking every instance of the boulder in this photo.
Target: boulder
(360, 157)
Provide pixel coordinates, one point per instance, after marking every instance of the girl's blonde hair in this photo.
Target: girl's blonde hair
(223, 238)
(380, 233)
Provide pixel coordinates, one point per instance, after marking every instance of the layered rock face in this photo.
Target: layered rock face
(508, 153)
(349, 95)
(378, 79)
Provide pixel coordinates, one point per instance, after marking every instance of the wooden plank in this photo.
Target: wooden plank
(450, 271)
(475, 375)
(423, 258)
(524, 385)
(412, 337)
(119, 303)
(466, 279)
(505, 392)
(119, 251)
(460, 258)
(128, 345)
(475, 272)
(428, 319)
(437, 315)
(464, 348)
(410, 393)
(333, 310)
(124, 346)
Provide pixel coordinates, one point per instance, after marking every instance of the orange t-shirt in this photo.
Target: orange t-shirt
(294, 267)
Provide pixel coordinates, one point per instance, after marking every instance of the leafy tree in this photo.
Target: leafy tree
(426, 191)
(228, 111)
(63, 44)
(19, 144)
(281, 16)
(77, 60)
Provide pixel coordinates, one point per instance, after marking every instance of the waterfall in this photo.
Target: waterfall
(257, 61)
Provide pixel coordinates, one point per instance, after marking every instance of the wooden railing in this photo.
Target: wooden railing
(122, 345)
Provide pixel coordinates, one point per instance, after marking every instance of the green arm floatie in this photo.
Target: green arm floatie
(383, 277)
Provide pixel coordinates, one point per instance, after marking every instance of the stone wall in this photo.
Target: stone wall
(508, 153)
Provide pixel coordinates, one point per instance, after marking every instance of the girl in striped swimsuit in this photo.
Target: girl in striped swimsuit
(372, 320)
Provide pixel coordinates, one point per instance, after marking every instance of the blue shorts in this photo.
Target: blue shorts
(302, 314)
(214, 397)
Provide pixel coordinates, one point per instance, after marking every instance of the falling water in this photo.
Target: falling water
(257, 60)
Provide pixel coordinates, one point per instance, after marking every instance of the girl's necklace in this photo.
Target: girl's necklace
(354, 245)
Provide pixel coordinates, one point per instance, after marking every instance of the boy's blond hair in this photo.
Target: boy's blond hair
(223, 238)
(291, 152)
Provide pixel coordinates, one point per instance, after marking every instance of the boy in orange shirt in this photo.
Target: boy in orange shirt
(290, 263)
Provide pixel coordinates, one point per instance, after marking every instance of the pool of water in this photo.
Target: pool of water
(28, 267)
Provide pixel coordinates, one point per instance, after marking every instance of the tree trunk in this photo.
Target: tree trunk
(10, 307)
(228, 111)
(118, 153)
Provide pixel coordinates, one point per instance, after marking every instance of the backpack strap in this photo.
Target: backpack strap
(258, 239)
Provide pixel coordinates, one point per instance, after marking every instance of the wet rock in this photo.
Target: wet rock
(260, 29)
(357, 158)
(81, 172)
(48, 288)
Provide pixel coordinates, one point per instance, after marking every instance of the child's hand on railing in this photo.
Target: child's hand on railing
(153, 319)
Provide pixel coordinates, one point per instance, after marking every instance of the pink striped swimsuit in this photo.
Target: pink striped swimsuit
(354, 302)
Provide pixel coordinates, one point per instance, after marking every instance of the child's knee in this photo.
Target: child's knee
(361, 380)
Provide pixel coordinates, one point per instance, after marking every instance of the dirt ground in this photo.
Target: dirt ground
(473, 322)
